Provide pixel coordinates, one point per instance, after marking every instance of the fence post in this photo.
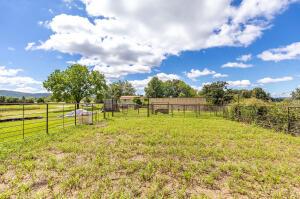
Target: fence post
(63, 116)
(289, 120)
(47, 118)
(92, 113)
(112, 105)
(75, 114)
(172, 110)
(23, 122)
(148, 108)
(199, 112)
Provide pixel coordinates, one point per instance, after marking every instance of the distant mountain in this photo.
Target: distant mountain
(21, 94)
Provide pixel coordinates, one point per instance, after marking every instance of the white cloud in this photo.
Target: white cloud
(31, 46)
(281, 94)
(239, 83)
(165, 77)
(9, 72)
(195, 73)
(245, 58)
(125, 37)
(219, 75)
(268, 80)
(289, 52)
(11, 48)
(28, 89)
(201, 87)
(11, 80)
(236, 65)
(44, 24)
(141, 84)
(18, 80)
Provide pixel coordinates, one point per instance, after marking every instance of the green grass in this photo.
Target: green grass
(16, 130)
(157, 157)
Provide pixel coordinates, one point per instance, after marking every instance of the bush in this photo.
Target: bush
(273, 116)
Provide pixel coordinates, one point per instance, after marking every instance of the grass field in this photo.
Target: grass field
(157, 157)
(16, 130)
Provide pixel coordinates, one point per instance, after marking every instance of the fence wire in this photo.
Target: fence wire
(20, 121)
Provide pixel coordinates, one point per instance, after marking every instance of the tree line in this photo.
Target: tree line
(78, 84)
(30, 100)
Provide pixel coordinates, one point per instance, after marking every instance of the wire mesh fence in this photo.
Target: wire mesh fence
(279, 118)
(160, 109)
(20, 121)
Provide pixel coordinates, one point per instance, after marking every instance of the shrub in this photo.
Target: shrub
(273, 116)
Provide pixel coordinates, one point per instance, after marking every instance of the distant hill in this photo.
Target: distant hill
(21, 94)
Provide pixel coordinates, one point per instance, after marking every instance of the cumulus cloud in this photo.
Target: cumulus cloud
(219, 75)
(202, 85)
(9, 72)
(10, 79)
(268, 80)
(124, 37)
(245, 58)
(141, 84)
(289, 52)
(236, 65)
(195, 73)
(239, 83)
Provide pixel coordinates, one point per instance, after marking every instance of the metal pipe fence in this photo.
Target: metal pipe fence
(20, 121)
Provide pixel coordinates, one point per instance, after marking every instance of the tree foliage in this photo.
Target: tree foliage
(260, 93)
(75, 83)
(171, 88)
(217, 93)
(121, 88)
(155, 88)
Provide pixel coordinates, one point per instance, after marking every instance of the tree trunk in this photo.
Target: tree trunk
(78, 104)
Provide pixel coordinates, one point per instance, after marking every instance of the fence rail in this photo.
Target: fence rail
(19, 121)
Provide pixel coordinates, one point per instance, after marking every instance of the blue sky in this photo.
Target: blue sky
(142, 39)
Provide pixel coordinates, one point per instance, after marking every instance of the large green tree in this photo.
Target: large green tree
(155, 88)
(178, 88)
(121, 88)
(217, 93)
(75, 83)
(261, 94)
(98, 85)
